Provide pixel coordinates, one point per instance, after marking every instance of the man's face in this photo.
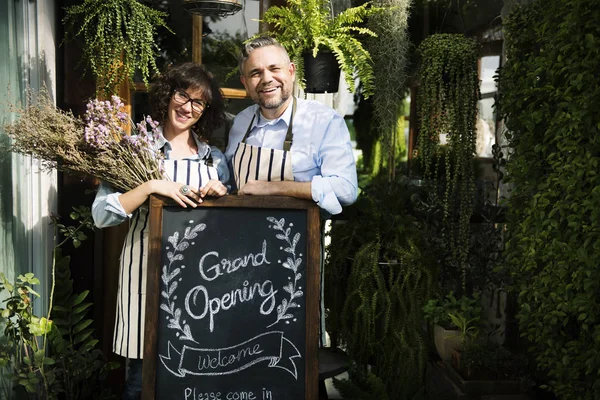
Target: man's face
(269, 78)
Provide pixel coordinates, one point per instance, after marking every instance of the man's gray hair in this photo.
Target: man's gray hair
(257, 43)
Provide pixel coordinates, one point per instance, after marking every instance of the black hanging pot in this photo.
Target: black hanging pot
(321, 73)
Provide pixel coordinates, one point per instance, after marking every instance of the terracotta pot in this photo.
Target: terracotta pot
(446, 341)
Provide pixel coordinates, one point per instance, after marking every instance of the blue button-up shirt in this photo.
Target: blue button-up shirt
(321, 149)
(107, 209)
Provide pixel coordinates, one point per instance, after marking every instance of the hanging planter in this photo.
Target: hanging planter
(217, 8)
(308, 26)
(321, 73)
(447, 104)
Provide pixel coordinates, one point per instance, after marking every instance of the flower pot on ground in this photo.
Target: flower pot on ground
(446, 341)
(308, 26)
(455, 322)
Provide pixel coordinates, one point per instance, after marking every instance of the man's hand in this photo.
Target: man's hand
(300, 190)
(214, 187)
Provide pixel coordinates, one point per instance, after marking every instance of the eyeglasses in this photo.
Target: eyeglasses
(183, 98)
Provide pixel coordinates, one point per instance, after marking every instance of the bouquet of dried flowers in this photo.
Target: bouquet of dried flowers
(96, 145)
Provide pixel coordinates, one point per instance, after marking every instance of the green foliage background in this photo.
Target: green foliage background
(550, 100)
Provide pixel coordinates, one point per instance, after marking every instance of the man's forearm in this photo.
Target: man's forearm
(301, 190)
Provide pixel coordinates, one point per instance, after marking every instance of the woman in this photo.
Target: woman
(187, 102)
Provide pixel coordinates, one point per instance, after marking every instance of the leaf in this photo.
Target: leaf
(82, 325)
(173, 274)
(281, 237)
(49, 361)
(174, 239)
(298, 294)
(194, 233)
(81, 308)
(295, 240)
(172, 288)
(165, 308)
(183, 246)
(82, 336)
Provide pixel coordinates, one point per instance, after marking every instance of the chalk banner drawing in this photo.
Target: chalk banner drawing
(231, 305)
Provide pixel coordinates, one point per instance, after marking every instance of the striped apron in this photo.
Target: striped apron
(264, 164)
(128, 338)
(261, 163)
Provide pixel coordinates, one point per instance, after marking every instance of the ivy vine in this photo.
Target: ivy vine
(550, 102)
(118, 39)
(447, 105)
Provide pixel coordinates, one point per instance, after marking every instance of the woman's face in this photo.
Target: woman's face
(185, 109)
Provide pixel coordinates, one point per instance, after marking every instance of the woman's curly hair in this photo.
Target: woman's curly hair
(189, 76)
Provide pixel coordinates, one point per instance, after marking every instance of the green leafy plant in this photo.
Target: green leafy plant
(549, 100)
(487, 360)
(447, 105)
(308, 26)
(361, 384)
(468, 328)
(25, 352)
(378, 279)
(55, 356)
(450, 312)
(118, 38)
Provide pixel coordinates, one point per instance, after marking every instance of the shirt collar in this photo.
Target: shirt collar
(260, 121)
(162, 143)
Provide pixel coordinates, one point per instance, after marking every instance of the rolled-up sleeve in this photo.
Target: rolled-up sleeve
(220, 163)
(107, 209)
(337, 184)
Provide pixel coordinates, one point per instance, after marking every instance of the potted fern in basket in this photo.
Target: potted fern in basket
(310, 34)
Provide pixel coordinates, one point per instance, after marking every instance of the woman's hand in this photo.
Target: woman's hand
(214, 187)
(174, 191)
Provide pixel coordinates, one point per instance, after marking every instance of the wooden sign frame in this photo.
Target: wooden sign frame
(312, 272)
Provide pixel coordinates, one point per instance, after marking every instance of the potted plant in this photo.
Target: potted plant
(447, 105)
(378, 276)
(488, 368)
(119, 39)
(455, 322)
(309, 32)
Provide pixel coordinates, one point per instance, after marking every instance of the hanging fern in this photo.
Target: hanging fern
(307, 26)
(118, 39)
(447, 104)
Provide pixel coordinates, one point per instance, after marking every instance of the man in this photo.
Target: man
(288, 146)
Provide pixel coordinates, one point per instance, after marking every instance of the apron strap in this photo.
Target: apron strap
(287, 143)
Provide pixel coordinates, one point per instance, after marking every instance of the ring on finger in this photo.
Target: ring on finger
(184, 190)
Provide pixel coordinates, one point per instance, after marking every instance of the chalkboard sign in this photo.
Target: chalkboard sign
(232, 300)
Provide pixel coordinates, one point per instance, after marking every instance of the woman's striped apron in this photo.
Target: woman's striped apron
(264, 164)
(128, 338)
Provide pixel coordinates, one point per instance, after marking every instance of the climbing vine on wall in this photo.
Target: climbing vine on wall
(447, 105)
(550, 101)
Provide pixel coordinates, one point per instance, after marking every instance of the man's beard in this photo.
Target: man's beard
(273, 103)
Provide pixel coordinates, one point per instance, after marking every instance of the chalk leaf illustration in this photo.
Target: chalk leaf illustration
(169, 278)
(292, 263)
